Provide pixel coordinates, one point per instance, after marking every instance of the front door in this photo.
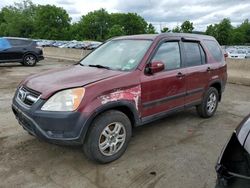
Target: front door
(164, 91)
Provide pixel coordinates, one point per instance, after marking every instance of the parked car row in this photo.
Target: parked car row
(88, 45)
(238, 52)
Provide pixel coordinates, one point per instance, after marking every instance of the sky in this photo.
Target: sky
(161, 13)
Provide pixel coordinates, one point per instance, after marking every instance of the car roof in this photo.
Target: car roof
(17, 38)
(164, 35)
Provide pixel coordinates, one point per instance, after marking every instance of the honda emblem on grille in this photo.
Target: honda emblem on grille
(23, 95)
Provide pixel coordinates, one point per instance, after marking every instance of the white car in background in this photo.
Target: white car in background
(237, 54)
(248, 53)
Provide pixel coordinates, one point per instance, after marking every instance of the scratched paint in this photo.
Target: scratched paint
(132, 94)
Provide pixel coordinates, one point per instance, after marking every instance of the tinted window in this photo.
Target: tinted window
(18, 42)
(194, 54)
(169, 54)
(214, 49)
(4, 44)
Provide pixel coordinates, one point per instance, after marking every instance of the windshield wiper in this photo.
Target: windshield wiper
(100, 66)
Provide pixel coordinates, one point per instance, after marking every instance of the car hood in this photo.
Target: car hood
(50, 82)
(242, 132)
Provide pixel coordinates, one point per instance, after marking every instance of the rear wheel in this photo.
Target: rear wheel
(108, 137)
(29, 60)
(209, 103)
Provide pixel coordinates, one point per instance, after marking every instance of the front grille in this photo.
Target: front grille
(27, 96)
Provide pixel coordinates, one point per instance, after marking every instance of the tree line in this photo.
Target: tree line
(51, 22)
(29, 20)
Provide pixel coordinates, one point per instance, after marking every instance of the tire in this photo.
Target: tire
(221, 182)
(29, 60)
(204, 109)
(103, 144)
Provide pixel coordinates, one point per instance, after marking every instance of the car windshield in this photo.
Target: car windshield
(122, 55)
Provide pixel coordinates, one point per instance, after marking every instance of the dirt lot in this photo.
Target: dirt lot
(178, 151)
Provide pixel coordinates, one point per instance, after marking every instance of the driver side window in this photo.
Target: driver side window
(169, 54)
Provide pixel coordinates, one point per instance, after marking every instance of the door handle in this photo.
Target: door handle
(180, 75)
(208, 69)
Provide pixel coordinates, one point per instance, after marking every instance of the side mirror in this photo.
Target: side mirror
(156, 66)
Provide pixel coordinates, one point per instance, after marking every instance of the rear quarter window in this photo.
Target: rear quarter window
(214, 49)
(18, 42)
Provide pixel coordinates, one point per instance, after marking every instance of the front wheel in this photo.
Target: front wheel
(108, 137)
(29, 60)
(209, 103)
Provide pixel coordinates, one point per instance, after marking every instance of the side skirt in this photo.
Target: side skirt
(164, 114)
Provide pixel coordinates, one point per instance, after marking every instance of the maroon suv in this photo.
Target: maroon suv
(127, 82)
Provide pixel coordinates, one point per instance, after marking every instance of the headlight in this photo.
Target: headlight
(66, 100)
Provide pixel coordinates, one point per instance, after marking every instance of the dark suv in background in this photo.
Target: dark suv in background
(127, 82)
(21, 50)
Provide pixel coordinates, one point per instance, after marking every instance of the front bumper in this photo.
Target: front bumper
(55, 127)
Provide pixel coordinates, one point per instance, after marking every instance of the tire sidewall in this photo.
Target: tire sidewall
(209, 92)
(25, 61)
(98, 126)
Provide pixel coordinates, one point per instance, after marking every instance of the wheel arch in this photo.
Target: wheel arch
(217, 85)
(125, 107)
(29, 53)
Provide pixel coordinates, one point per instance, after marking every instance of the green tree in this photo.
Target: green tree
(95, 25)
(224, 31)
(187, 27)
(212, 30)
(51, 22)
(244, 28)
(237, 37)
(17, 20)
(165, 30)
(116, 30)
(176, 29)
(75, 32)
(150, 29)
(134, 24)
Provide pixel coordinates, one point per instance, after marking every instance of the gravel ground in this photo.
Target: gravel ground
(178, 151)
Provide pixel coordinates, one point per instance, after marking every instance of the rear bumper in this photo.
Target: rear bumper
(56, 127)
(40, 57)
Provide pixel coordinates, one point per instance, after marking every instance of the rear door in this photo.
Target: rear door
(164, 91)
(197, 71)
(18, 48)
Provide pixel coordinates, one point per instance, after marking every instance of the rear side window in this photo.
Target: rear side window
(18, 42)
(214, 49)
(169, 54)
(195, 55)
